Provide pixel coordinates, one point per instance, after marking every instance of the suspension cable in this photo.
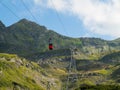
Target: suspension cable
(59, 18)
(10, 10)
(29, 11)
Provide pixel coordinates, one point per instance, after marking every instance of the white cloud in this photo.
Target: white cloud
(40, 2)
(59, 5)
(99, 16)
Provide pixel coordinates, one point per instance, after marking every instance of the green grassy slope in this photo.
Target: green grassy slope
(16, 72)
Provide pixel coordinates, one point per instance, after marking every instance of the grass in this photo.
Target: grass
(99, 87)
(5, 55)
(11, 73)
(35, 77)
(102, 71)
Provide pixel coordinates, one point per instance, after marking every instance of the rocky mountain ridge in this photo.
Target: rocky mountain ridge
(26, 37)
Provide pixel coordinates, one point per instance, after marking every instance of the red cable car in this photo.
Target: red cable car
(50, 44)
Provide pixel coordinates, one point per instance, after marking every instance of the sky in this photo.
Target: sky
(73, 18)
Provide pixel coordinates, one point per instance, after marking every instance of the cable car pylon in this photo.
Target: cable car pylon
(72, 71)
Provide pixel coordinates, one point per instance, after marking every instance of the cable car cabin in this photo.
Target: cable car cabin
(50, 47)
(50, 44)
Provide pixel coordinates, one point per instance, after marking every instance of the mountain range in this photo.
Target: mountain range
(26, 37)
(24, 53)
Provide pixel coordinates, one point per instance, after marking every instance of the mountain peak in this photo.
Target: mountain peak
(24, 20)
(24, 23)
(27, 22)
(2, 26)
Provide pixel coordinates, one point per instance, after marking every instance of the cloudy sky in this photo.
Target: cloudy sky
(73, 18)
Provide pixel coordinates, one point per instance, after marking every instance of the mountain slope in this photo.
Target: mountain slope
(30, 40)
(31, 37)
(113, 58)
(25, 38)
(13, 73)
(20, 74)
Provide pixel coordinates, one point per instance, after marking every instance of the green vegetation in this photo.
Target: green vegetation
(102, 71)
(20, 74)
(97, 60)
(13, 75)
(7, 56)
(113, 58)
(27, 38)
(99, 87)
